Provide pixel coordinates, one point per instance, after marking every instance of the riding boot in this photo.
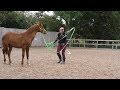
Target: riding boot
(59, 56)
(63, 62)
(63, 59)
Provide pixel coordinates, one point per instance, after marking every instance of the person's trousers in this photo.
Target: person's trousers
(61, 48)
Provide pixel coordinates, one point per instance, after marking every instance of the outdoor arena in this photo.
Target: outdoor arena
(82, 63)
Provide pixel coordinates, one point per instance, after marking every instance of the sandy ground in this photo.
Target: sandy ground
(80, 64)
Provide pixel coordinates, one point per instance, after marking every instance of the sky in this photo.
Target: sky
(48, 13)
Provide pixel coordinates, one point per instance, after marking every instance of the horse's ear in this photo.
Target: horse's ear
(40, 23)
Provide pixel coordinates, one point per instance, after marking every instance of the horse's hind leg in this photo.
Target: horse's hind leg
(27, 55)
(4, 55)
(9, 52)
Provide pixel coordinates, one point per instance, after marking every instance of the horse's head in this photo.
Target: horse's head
(41, 28)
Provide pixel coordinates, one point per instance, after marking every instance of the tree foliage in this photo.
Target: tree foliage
(88, 24)
(93, 24)
(14, 19)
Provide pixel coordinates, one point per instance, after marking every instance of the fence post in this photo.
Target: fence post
(84, 43)
(97, 45)
(70, 42)
(116, 46)
(112, 45)
(79, 42)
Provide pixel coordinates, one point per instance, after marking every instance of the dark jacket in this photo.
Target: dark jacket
(61, 38)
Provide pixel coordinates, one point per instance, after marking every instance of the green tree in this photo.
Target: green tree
(100, 25)
(72, 19)
(16, 19)
(93, 24)
(51, 23)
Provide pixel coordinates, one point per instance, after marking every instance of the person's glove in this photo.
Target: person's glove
(51, 44)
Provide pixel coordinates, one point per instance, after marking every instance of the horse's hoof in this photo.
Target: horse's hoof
(9, 63)
(28, 64)
(21, 63)
(4, 61)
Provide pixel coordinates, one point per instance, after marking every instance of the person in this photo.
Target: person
(62, 40)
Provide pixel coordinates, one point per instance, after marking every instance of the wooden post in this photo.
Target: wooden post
(116, 46)
(97, 45)
(112, 44)
(70, 42)
(84, 44)
(79, 42)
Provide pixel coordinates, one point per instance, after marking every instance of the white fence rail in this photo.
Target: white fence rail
(114, 44)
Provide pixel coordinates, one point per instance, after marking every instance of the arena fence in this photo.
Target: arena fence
(51, 36)
(94, 43)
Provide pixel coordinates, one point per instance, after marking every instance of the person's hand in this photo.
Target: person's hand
(51, 44)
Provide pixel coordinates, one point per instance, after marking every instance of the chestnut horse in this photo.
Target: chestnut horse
(22, 40)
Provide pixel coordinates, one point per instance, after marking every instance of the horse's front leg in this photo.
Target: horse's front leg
(23, 54)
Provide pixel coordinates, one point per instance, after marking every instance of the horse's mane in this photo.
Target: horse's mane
(32, 28)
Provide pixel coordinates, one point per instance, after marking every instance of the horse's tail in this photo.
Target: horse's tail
(5, 44)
